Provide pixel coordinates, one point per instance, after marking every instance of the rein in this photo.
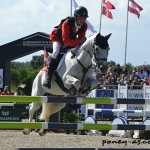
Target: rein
(84, 69)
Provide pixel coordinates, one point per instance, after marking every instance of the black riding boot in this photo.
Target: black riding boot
(51, 69)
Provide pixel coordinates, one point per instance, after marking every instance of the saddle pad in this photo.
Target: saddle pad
(45, 69)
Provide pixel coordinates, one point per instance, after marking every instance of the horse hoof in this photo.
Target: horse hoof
(72, 91)
(42, 132)
(26, 131)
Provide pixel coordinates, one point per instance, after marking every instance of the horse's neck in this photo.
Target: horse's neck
(85, 52)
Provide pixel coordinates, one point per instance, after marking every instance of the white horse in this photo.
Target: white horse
(74, 75)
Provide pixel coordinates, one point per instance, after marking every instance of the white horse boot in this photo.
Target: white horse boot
(51, 69)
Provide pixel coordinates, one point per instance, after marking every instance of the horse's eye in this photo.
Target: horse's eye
(96, 48)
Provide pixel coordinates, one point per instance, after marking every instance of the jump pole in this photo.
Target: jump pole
(119, 110)
(74, 100)
(75, 126)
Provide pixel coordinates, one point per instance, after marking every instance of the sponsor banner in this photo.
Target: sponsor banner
(104, 93)
(1, 78)
(11, 115)
(135, 94)
(36, 43)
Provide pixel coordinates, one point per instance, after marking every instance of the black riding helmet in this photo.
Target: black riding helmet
(81, 11)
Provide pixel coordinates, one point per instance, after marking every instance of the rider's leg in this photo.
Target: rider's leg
(51, 66)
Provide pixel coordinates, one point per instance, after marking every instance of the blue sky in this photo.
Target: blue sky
(20, 18)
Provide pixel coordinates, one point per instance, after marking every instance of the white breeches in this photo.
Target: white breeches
(56, 49)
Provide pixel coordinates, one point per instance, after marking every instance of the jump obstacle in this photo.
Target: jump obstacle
(123, 93)
(73, 126)
(122, 99)
(121, 110)
(74, 100)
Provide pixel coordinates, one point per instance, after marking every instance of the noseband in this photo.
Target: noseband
(98, 59)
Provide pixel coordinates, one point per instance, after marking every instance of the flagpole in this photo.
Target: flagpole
(71, 8)
(100, 18)
(126, 36)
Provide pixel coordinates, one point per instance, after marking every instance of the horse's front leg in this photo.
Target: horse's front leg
(72, 83)
(88, 86)
(32, 108)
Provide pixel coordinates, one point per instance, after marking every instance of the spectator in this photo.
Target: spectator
(98, 76)
(116, 76)
(126, 71)
(103, 82)
(144, 81)
(145, 72)
(109, 83)
(126, 81)
(138, 73)
(134, 70)
(110, 71)
(119, 81)
(6, 91)
(131, 77)
(136, 84)
(118, 69)
(122, 76)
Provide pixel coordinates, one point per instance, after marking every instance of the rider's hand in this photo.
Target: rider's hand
(83, 40)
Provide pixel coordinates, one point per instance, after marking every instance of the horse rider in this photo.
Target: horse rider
(71, 33)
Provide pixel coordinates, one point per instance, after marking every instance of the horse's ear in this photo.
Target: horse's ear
(97, 38)
(98, 35)
(108, 36)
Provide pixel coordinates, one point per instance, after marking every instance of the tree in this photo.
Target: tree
(37, 62)
(24, 73)
(112, 63)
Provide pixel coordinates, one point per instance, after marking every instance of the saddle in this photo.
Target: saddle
(59, 57)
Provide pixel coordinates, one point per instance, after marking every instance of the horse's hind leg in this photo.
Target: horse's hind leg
(47, 110)
(33, 107)
(42, 132)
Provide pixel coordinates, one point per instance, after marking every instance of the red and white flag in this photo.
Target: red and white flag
(134, 8)
(46, 57)
(106, 7)
(109, 5)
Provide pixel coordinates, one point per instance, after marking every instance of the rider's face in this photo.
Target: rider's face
(80, 20)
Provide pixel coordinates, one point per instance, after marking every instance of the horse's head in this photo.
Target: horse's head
(101, 48)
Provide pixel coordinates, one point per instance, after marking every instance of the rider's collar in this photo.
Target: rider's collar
(77, 27)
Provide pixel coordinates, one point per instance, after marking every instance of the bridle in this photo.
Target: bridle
(85, 69)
